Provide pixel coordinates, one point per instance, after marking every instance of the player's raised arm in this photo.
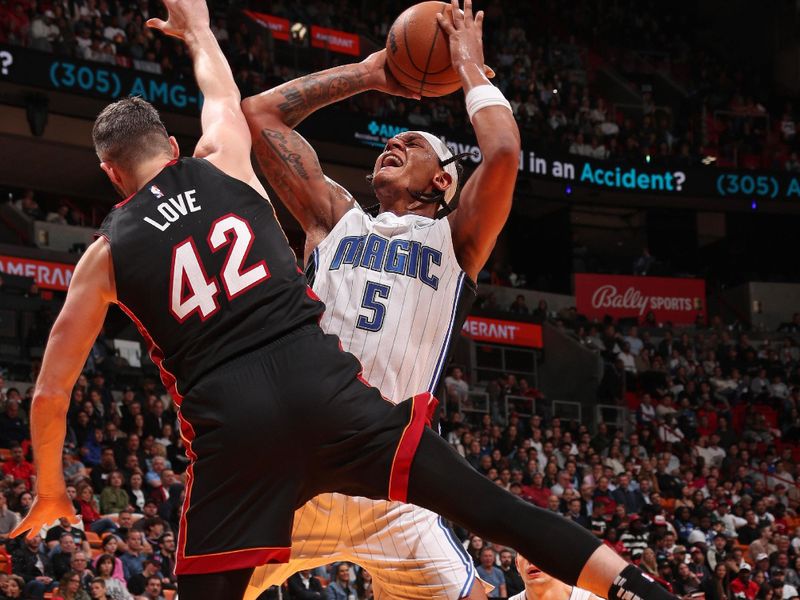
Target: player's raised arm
(485, 201)
(226, 139)
(288, 161)
(90, 292)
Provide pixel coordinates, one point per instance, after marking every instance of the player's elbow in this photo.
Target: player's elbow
(250, 106)
(508, 142)
(258, 111)
(507, 149)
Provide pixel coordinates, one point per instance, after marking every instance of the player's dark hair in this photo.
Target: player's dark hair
(128, 131)
(436, 197)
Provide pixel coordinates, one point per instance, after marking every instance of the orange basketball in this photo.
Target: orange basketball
(418, 53)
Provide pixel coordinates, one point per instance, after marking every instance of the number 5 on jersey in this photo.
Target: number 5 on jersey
(192, 291)
(373, 294)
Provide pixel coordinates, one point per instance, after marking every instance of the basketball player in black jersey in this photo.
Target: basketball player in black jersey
(270, 407)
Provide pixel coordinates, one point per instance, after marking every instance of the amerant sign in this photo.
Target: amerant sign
(669, 299)
(497, 331)
(47, 275)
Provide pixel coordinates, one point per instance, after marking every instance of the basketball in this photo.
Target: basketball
(418, 52)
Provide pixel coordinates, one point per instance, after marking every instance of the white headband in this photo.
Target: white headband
(444, 154)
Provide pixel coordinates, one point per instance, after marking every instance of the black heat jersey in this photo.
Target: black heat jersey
(204, 269)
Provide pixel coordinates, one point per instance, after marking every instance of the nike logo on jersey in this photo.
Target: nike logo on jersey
(401, 257)
(173, 209)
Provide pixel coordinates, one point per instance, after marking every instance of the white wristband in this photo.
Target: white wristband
(482, 96)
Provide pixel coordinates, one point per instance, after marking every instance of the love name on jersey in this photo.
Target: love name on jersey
(173, 209)
(402, 257)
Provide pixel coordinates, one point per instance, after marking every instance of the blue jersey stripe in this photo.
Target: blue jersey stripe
(437, 372)
(463, 556)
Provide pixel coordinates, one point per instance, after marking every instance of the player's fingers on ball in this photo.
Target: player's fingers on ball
(448, 14)
(458, 14)
(445, 23)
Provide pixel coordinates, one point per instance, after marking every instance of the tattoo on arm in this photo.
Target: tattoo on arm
(310, 93)
(281, 155)
(292, 169)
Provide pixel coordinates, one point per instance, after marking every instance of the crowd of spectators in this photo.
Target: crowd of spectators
(546, 60)
(700, 490)
(699, 487)
(547, 57)
(123, 465)
(59, 210)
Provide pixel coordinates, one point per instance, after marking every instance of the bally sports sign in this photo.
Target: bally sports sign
(669, 299)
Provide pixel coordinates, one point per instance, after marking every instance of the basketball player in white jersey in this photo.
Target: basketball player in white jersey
(396, 288)
(540, 586)
(393, 285)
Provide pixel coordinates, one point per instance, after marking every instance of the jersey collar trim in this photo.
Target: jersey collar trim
(128, 199)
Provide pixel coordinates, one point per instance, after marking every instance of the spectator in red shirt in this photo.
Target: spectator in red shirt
(707, 419)
(18, 25)
(537, 492)
(19, 468)
(612, 540)
(90, 512)
(743, 586)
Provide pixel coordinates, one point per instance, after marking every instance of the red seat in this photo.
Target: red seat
(632, 400)
(737, 417)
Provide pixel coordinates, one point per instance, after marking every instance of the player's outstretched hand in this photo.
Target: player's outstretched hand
(465, 34)
(43, 513)
(381, 77)
(184, 16)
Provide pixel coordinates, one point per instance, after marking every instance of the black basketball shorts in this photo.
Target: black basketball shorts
(274, 428)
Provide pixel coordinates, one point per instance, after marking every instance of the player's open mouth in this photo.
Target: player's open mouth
(533, 572)
(391, 160)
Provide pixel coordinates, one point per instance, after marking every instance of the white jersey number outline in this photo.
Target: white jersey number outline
(187, 271)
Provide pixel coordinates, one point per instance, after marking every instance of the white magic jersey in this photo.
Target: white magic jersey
(395, 295)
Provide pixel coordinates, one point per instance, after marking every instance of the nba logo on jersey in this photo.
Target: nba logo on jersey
(154, 189)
